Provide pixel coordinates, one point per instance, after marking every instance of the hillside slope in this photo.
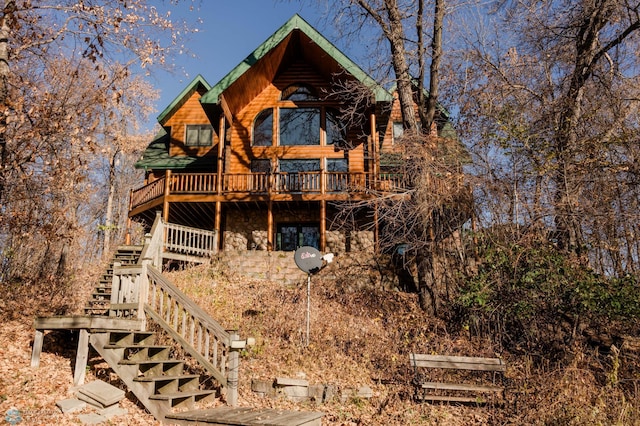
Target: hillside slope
(358, 337)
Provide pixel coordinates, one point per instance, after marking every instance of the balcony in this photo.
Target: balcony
(263, 186)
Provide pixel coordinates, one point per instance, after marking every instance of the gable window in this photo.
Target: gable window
(299, 126)
(299, 92)
(199, 135)
(263, 128)
(398, 130)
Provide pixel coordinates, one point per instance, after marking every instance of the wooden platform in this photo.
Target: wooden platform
(242, 416)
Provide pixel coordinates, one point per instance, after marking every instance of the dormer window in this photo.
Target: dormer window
(299, 92)
(199, 135)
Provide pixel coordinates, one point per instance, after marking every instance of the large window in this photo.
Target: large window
(263, 128)
(299, 126)
(336, 133)
(199, 135)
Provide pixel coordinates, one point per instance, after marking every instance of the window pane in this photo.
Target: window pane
(199, 135)
(337, 165)
(398, 129)
(299, 126)
(295, 166)
(336, 134)
(260, 165)
(299, 92)
(263, 128)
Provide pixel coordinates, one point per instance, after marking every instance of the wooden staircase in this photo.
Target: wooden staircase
(100, 299)
(157, 380)
(131, 293)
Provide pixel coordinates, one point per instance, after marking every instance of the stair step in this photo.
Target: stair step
(171, 384)
(169, 367)
(185, 394)
(126, 339)
(179, 377)
(142, 352)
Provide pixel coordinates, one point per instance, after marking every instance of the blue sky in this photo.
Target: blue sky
(230, 30)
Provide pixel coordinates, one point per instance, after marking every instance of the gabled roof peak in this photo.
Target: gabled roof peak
(196, 83)
(296, 22)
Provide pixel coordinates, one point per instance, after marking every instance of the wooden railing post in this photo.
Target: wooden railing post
(116, 282)
(143, 293)
(232, 372)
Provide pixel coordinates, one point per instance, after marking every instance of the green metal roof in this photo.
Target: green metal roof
(156, 156)
(295, 23)
(196, 83)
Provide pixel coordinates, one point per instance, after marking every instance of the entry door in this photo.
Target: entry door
(293, 235)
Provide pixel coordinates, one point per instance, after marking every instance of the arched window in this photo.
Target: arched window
(299, 92)
(263, 128)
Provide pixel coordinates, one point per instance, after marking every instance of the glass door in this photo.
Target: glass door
(293, 235)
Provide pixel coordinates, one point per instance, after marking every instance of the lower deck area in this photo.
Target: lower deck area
(278, 226)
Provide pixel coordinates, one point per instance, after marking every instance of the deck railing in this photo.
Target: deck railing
(266, 183)
(190, 241)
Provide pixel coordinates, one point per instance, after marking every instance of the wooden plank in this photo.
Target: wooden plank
(249, 416)
(453, 398)
(58, 323)
(87, 322)
(457, 362)
(460, 387)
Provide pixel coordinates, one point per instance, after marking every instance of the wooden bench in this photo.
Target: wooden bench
(456, 391)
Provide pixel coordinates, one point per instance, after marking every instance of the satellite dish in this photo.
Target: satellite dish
(308, 259)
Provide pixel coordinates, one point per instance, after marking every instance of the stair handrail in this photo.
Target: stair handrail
(200, 335)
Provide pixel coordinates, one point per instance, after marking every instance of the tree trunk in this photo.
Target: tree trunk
(9, 6)
(426, 282)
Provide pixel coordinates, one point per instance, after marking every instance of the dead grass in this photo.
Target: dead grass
(357, 338)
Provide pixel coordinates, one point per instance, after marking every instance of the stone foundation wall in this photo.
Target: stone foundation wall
(247, 230)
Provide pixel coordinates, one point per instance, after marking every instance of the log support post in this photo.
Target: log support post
(82, 356)
(232, 374)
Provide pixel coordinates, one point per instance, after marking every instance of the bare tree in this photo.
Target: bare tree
(422, 217)
(552, 99)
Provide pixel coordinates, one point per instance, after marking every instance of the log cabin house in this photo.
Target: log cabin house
(265, 157)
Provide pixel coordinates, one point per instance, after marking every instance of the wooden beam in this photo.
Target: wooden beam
(225, 109)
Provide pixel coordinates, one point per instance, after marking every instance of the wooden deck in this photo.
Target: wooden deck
(243, 416)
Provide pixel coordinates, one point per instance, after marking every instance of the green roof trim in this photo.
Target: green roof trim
(191, 87)
(295, 22)
(156, 156)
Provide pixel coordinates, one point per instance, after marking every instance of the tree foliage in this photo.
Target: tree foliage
(71, 96)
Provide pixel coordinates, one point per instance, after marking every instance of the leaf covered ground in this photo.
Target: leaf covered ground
(357, 338)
